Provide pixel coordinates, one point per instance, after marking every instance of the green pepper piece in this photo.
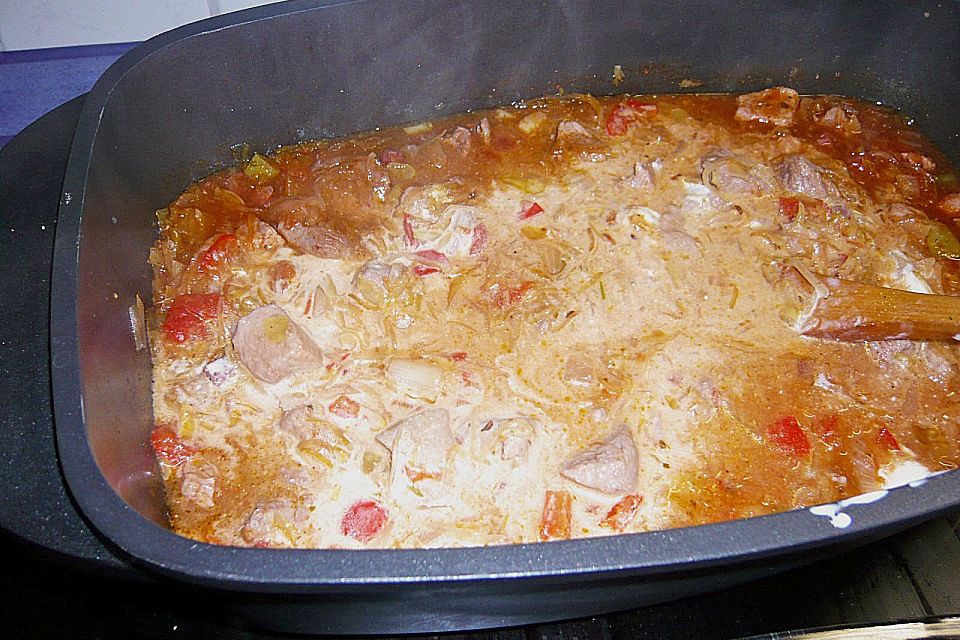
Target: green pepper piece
(942, 243)
(260, 169)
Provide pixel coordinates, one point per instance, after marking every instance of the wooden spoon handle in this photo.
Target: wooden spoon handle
(857, 312)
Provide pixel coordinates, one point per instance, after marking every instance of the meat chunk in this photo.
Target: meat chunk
(266, 238)
(273, 346)
(950, 205)
(197, 483)
(610, 467)
(642, 177)
(220, 371)
(319, 438)
(311, 228)
(732, 176)
(514, 447)
(300, 421)
(798, 175)
(776, 106)
(843, 119)
(419, 457)
(374, 278)
(429, 433)
(281, 274)
(320, 240)
(899, 354)
(459, 139)
(509, 439)
(570, 130)
(425, 203)
(270, 524)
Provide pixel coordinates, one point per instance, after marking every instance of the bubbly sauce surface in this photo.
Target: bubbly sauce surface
(564, 318)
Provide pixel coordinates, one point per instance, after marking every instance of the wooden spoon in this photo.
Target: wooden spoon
(858, 312)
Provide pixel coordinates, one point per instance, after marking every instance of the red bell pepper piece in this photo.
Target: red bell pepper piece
(789, 208)
(363, 520)
(556, 516)
(169, 447)
(218, 253)
(621, 513)
(887, 439)
(345, 407)
(787, 434)
(479, 239)
(187, 317)
(529, 209)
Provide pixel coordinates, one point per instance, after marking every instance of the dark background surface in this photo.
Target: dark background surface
(912, 575)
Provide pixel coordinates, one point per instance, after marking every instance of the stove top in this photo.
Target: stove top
(59, 575)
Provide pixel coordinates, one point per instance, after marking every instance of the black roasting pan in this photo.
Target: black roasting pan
(169, 112)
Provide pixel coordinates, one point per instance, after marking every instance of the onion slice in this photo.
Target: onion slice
(416, 378)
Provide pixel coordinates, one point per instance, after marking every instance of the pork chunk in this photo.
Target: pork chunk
(733, 176)
(610, 466)
(319, 240)
(301, 421)
(220, 372)
(273, 346)
(642, 178)
(270, 524)
(429, 433)
(419, 454)
(310, 227)
(508, 440)
(798, 175)
(776, 106)
(197, 483)
(570, 130)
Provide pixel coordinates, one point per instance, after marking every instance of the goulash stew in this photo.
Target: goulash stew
(568, 317)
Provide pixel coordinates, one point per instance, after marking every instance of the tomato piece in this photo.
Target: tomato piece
(787, 434)
(789, 208)
(408, 231)
(187, 316)
(509, 296)
(556, 516)
(458, 356)
(218, 253)
(345, 407)
(169, 447)
(479, 239)
(363, 520)
(424, 270)
(621, 513)
(529, 209)
(433, 256)
(887, 439)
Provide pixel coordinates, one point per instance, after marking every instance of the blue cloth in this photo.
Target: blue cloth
(37, 81)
